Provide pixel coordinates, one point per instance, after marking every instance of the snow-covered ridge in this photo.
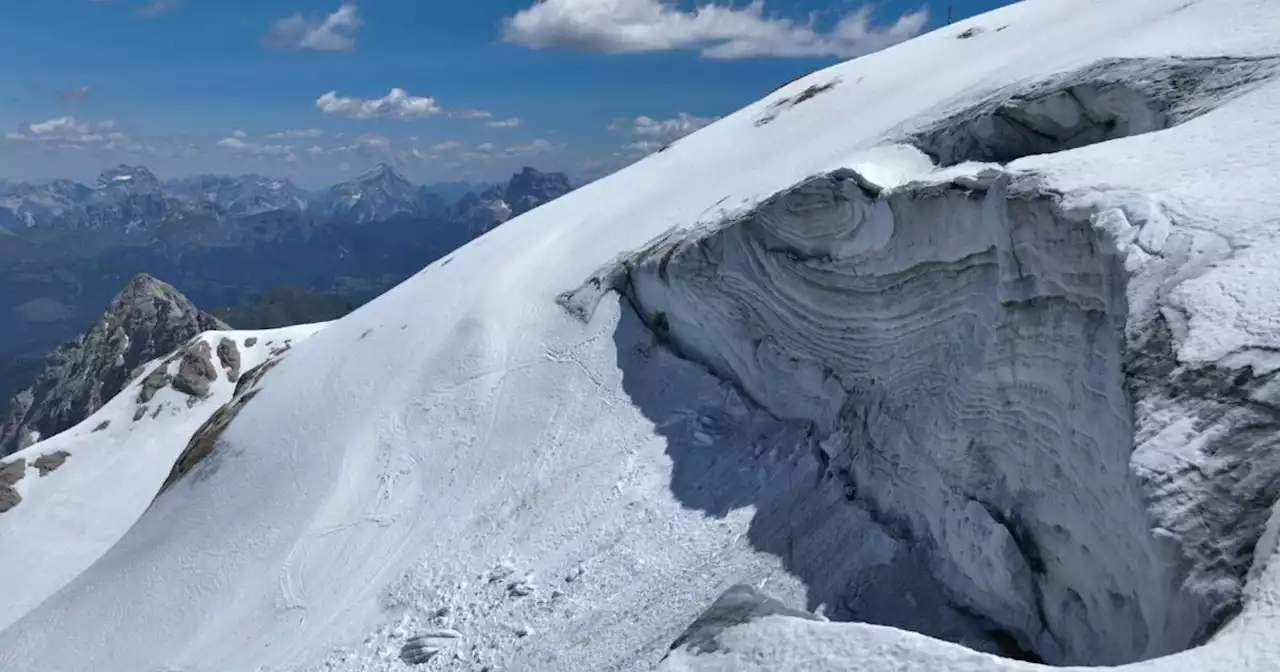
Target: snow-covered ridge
(460, 472)
(110, 466)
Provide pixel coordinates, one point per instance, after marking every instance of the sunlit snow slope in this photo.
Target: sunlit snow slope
(110, 467)
(1024, 405)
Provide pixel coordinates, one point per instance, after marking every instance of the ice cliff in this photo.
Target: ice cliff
(990, 373)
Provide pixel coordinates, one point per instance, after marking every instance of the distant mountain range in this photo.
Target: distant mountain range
(227, 242)
(132, 199)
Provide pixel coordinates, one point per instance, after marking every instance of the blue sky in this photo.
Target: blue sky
(484, 86)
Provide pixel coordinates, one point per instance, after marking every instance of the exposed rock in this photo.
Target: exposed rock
(780, 105)
(251, 341)
(48, 462)
(229, 356)
(11, 473)
(154, 382)
(196, 371)
(376, 194)
(525, 191)
(146, 320)
(102, 425)
(530, 188)
(205, 439)
(139, 412)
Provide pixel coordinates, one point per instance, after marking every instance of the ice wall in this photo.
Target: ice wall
(959, 348)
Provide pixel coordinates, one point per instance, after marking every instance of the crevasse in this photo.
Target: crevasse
(959, 351)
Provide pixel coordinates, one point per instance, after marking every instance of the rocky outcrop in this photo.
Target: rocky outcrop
(196, 370)
(9, 474)
(205, 439)
(49, 462)
(146, 320)
(229, 357)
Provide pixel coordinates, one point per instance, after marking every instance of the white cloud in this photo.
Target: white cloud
(654, 134)
(334, 32)
(446, 146)
(69, 133)
(538, 146)
(315, 150)
(642, 147)
(487, 152)
(61, 126)
(297, 133)
(158, 7)
(374, 141)
(669, 130)
(239, 134)
(368, 145)
(471, 114)
(715, 30)
(513, 122)
(244, 148)
(395, 105)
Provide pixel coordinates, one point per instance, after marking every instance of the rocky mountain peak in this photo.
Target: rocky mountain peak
(146, 320)
(382, 173)
(530, 188)
(131, 178)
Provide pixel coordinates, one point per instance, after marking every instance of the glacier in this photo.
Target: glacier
(963, 353)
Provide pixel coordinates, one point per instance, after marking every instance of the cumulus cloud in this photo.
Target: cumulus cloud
(239, 134)
(67, 134)
(397, 104)
(668, 130)
(59, 126)
(67, 131)
(513, 122)
(334, 32)
(253, 150)
(715, 30)
(488, 152)
(651, 135)
(297, 133)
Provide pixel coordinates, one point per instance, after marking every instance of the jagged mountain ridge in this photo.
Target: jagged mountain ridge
(243, 195)
(525, 191)
(130, 198)
(147, 319)
(66, 247)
